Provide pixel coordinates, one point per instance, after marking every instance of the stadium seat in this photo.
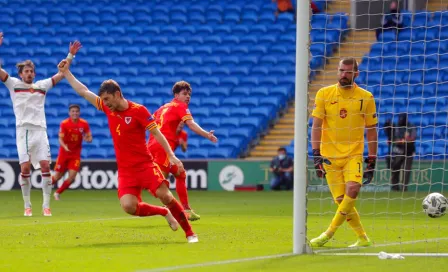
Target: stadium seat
(221, 152)
(197, 153)
(225, 50)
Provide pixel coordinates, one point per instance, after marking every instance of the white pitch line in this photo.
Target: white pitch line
(402, 254)
(71, 221)
(170, 268)
(381, 245)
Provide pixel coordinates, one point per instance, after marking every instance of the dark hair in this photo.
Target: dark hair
(350, 61)
(180, 86)
(281, 149)
(109, 86)
(21, 65)
(74, 106)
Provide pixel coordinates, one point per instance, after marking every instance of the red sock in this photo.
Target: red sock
(144, 209)
(178, 213)
(181, 190)
(63, 187)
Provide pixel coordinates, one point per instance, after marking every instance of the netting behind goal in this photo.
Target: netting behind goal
(406, 70)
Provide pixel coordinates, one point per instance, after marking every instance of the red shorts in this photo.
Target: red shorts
(150, 178)
(160, 157)
(64, 163)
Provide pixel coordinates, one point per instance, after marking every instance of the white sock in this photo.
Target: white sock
(25, 185)
(46, 189)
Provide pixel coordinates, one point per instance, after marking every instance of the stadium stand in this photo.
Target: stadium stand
(239, 59)
(408, 73)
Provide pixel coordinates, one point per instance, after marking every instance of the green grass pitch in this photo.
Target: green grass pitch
(90, 232)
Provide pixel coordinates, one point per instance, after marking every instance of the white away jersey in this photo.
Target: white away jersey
(29, 100)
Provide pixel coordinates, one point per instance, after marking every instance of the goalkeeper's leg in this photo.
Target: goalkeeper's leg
(347, 205)
(336, 184)
(345, 195)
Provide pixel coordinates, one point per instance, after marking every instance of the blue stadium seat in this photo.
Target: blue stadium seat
(222, 152)
(211, 122)
(150, 47)
(197, 153)
(267, 112)
(230, 123)
(5, 153)
(97, 153)
(241, 132)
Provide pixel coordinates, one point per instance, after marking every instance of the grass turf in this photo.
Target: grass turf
(89, 232)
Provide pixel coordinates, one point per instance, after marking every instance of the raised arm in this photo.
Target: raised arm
(3, 73)
(72, 50)
(80, 88)
(198, 130)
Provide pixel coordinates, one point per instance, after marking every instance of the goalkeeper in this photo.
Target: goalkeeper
(341, 114)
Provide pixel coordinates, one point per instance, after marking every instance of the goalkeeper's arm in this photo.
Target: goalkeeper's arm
(372, 140)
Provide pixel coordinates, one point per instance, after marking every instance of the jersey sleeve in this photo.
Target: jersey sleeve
(46, 84)
(99, 105)
(371, 117)
(146, 119)
(10, 82)
(319, 105)
(184, 113)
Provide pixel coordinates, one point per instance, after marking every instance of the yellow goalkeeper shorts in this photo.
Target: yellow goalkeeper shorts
(340, 171)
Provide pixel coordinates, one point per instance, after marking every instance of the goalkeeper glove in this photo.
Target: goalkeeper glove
(318, 163)
(370, 169)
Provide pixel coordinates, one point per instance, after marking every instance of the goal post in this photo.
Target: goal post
(407, 72)
(300, 128)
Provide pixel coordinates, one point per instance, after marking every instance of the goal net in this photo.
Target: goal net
(406, 70)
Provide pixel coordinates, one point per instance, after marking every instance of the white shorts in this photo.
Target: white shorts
(33, 146)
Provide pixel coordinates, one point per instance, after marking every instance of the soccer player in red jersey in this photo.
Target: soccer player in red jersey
(128, 123)
(168, 118)
(72, 132)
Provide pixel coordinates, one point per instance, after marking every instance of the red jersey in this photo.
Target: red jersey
(168, 118)
(72, 133)
(181, 136)
(128, 129)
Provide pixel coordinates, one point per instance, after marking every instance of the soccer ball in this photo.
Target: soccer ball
(435, 205)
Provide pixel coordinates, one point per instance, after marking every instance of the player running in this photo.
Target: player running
(341, 114)
(72, 132)
(168, 118)
(28, 99)
(128, 122)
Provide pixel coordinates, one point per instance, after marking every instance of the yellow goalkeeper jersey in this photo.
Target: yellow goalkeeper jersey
(345, 115)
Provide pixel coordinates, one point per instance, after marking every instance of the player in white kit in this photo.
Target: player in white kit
(28, 99)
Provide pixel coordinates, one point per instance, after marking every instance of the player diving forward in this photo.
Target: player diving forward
(342, 112)
(128, 122)
(168, 118)
(72, 132)
(28, 99)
